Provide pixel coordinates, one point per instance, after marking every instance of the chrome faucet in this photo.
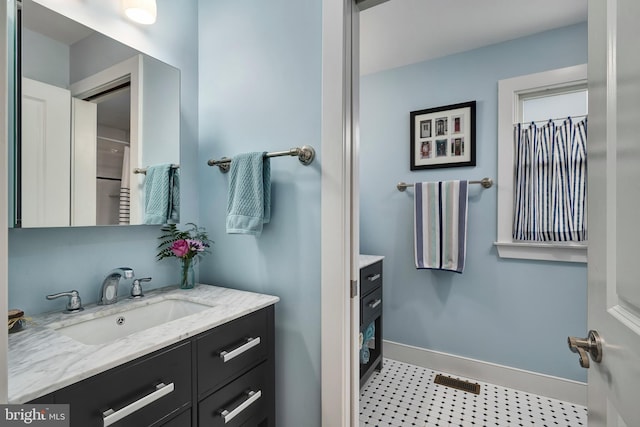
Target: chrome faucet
(109, 289)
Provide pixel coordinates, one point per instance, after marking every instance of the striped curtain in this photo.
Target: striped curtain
(550, 187)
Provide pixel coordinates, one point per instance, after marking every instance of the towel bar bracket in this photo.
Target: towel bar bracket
(225, 164)
(306, 154)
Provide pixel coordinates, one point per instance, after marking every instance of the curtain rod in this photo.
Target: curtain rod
(305, 154)
(485, 182)
(551, 120)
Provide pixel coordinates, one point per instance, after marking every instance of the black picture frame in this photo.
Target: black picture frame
(443, 137)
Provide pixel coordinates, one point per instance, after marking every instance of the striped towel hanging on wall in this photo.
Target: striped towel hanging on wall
(440, 225)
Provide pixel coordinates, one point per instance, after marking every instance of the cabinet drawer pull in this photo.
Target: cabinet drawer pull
(110, 416)
(252, 396)
(228, 355)
(374, 303)
(373, 277)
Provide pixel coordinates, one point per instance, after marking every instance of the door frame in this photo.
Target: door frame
(4, 193)
(340, 242)
(336, 214)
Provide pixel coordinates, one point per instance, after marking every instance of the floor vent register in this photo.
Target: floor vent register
(457, 384)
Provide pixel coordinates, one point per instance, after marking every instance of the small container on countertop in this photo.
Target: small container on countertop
(16, 320)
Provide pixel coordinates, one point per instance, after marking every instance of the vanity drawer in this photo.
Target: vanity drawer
(182, 420)
(243, 402)
(231, 349)
(134, 385)
(371, 306)
(370, 278)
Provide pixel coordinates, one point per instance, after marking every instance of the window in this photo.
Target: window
(538, 106)
(541, 96)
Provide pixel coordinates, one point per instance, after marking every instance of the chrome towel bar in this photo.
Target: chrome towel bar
(485, 182)
(305, 154)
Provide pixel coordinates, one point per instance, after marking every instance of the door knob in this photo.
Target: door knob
(591, 345)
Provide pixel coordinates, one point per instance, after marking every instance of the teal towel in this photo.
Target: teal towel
(249, 198)
(159, 194)
(370, 332)
(364, 355)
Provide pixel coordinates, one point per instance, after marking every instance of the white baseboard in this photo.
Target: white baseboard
(519, 379)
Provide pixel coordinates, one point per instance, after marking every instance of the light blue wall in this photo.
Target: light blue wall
(260, 90)
(44, 59)
(43, 261)
(96, 53)
(510, 312)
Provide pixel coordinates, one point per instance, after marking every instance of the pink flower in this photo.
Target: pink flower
(180, 248)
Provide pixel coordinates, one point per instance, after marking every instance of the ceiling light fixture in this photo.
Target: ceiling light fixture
(141, 11)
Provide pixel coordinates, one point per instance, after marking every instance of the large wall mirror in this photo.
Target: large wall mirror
(95, 115)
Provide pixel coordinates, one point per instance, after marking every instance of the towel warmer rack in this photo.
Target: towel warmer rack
(305, 154)
(144, 170)
(485, 182)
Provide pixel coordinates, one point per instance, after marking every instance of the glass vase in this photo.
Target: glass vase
(187, 275)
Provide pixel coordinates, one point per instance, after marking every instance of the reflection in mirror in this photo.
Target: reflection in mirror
(93, 111)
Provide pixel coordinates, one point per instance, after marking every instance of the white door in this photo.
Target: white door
(46, 125)
(614, 203)
(84, 152)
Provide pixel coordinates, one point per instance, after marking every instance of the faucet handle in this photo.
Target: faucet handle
(136, 287)
(74, 304)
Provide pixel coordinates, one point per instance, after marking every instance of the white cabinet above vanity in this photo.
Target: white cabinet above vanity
(212, 367)
(93, 114)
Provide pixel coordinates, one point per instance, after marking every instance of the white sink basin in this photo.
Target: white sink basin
(108, 328)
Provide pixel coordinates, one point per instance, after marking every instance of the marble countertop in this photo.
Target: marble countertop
(42, 360)
(367, 260)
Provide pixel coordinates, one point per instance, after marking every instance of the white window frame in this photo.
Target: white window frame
(509, 97)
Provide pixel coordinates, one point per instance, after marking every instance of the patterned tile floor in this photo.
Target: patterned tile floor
(405, 395)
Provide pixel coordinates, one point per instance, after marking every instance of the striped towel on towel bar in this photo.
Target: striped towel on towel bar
(440, 225)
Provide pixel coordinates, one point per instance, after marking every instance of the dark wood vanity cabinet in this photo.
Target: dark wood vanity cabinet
(236, 373)
(371, 312)
(221, 377)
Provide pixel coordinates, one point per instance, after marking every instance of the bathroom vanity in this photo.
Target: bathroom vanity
(371, 311)
(214, 367)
